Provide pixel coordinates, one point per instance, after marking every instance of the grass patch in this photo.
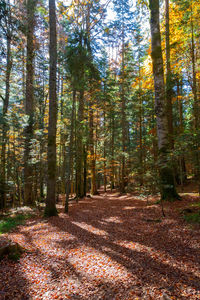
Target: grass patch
(195, 204)
(192, 218)
(11, 222)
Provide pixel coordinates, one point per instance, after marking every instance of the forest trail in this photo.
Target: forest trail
(111, 246)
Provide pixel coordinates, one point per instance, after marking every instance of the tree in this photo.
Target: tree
(168, 76)
(50, 209)
(7, 27)
(123, 25)
(29, 101)
(168, 190)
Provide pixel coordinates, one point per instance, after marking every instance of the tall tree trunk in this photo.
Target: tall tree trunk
(5, 126)
(79, 150)
(104, 144)
(91, 148)
(196, 104)
(85, 170)
(182, 166)
(140, 128)
(70, 155)
(112, 128)
(29, 102)
(168, 190)
(50, 209)
(123, 120)
(168, 77)
(194, 76)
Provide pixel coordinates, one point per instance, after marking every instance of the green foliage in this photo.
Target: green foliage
(192, 218)
(15, 256)
(11, 222)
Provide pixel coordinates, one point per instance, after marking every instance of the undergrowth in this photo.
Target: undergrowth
(9, 223)
(192, 218)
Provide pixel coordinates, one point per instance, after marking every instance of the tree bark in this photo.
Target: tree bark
(123, 112)
(167, 186)
(70, 155)
(91, 148)
(29, 102)
(79, 152)
(50, 209)
(168, 77)
(4, 131)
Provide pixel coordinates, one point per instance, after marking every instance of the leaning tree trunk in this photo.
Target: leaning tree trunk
(50, 209)
(168, 190)
(29, 102)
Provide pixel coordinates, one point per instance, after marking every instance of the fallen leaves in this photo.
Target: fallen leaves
(105, 250)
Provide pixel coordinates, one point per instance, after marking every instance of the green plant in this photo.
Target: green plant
(11, 222)
(192, 218)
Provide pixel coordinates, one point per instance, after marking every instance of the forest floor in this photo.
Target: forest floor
(111, 246)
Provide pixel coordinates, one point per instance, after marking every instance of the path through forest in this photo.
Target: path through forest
(108, 248)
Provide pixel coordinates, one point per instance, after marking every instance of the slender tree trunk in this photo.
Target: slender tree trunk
(85, 170)
(196, 110)
(70, 155)
(92, 153)
(123, 120)
(50, 209)
(183, 174)
(168, 77)
(168, 190)
(112, 151)
(29, 102)
(79, 152)
(140, 128)
(194, 77)
(5, 125)
(104, 144)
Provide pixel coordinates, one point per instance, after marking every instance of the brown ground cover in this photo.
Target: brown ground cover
(110, 246)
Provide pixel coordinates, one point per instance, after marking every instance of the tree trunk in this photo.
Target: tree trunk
(112, 179)
(168, 190)
(70, 155)
(168, 77)
(123, 120)
(182, 165)
(104, 144)
(79, 150)
(91, 147)
(29, 102)
(4, 131)
(50, 209)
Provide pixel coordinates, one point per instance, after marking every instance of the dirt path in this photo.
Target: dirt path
(106, 249)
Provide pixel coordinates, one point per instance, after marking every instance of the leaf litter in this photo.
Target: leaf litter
(105, 249)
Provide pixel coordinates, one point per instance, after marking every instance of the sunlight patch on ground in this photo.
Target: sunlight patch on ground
(90, 228)
(189, 194)
(36, 275)
(160, 256)
(44, 234)
(97, 265)
(128, 207)
(112, 220)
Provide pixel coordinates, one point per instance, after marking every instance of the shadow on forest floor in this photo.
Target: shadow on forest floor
(109, 247)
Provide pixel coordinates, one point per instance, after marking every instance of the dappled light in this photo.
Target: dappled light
(90, 228)
(100, 251)
(100, 150)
